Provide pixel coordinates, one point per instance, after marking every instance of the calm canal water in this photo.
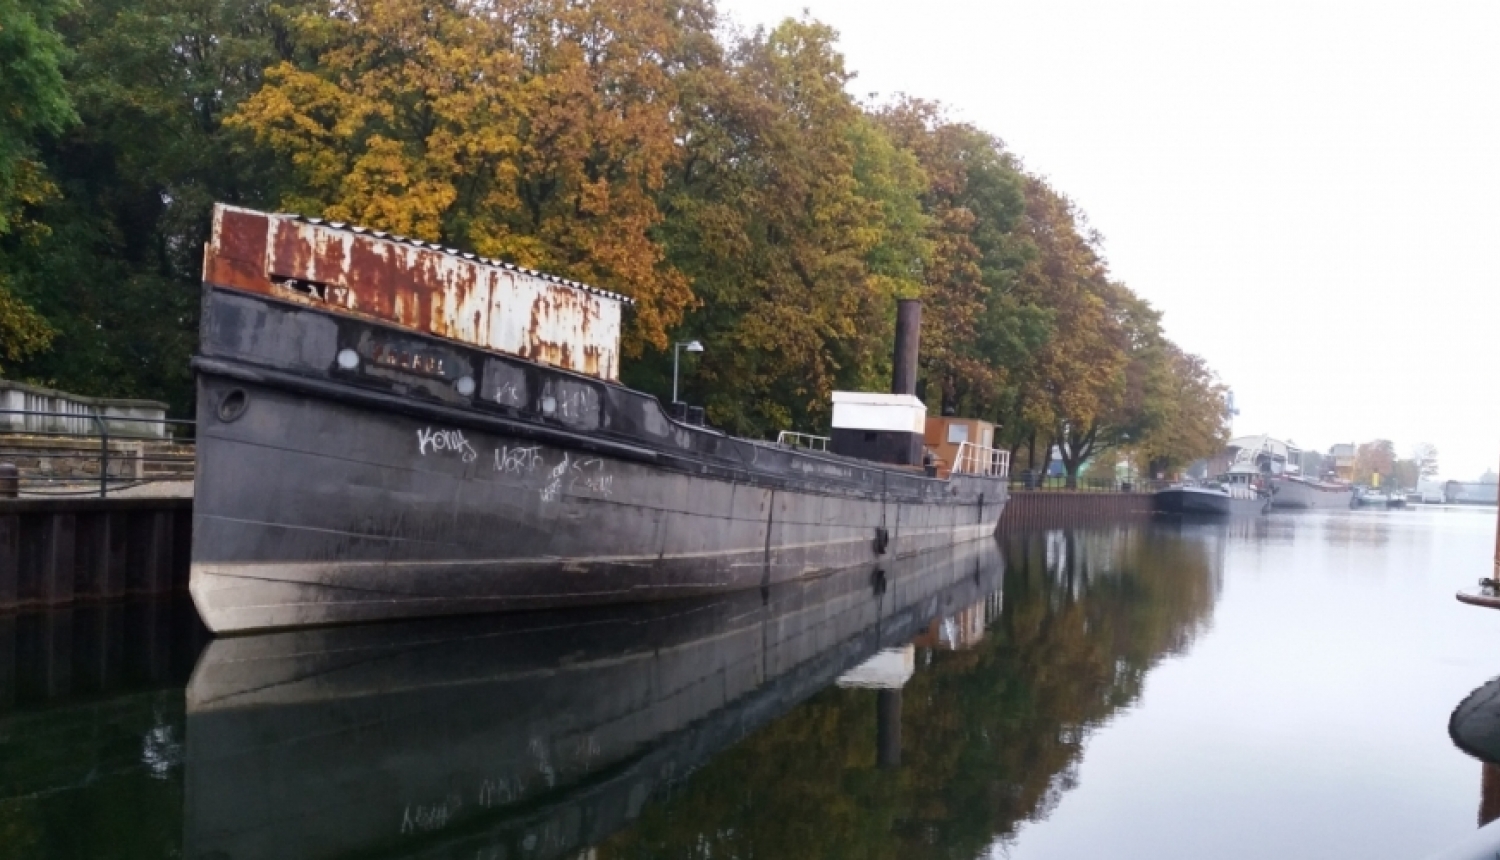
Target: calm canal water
(1269, 688)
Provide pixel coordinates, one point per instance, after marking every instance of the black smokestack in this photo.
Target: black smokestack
(908, 338)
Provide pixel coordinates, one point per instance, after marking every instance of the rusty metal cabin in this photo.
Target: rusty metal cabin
(418, 285)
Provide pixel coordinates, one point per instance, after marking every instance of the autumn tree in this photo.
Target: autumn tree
(1071, 381)
(798, 224)
(538, 132)
(1374, 458)
(728, 182)
(1194, 423)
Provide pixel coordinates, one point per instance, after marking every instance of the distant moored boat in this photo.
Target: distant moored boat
(1210, 499)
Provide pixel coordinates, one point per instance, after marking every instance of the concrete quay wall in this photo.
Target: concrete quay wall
(54, 552)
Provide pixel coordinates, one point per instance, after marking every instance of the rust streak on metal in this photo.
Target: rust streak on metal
(417, 286)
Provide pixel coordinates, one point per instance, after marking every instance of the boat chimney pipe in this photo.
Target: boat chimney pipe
(908, 338)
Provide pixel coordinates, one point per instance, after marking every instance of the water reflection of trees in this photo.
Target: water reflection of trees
(992, 733)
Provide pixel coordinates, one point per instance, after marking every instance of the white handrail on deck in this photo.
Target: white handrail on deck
(979, 460)
(802, 440)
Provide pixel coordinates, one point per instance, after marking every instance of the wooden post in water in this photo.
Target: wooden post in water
(1489, 793)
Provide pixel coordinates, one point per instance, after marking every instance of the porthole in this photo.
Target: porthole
(233, 405)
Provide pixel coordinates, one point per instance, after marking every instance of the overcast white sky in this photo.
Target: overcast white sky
(1308, 190)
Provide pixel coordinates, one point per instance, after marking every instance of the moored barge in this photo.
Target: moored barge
(1209, 500)
(1298, 493)
(390, 429)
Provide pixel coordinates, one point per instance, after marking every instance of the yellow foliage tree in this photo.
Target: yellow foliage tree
(536, 131)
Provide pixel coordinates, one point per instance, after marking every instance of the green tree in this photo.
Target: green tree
(977, 326)
(33, 103)
(116, 270)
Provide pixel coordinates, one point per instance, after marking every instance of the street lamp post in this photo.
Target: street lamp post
(690, 346)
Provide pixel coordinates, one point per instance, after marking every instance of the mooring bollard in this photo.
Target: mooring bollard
(10, 481)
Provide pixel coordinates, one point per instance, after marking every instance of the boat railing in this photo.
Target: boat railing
(973, 459)
(802, 440)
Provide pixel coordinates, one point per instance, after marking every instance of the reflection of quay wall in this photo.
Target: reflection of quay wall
(91, 718)
(1175, 570)
(1032, 509)
(97, 649)
(457, 737)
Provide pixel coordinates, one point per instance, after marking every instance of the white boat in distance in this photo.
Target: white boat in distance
(1299, 493)
(1278, 466)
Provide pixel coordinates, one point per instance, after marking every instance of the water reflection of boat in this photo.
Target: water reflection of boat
(1474, 727)
(527, 736)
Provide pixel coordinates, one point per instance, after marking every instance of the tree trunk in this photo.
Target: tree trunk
(1075, 451)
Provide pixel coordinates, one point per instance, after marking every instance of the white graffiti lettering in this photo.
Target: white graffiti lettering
(590, 475)
(445, 441)
(508, 394)
(553, 488)
(493, 792)
(572, 403)
(517, 461)
(422, 818)
(586, 751)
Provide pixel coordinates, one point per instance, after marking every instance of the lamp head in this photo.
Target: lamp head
(693, 346)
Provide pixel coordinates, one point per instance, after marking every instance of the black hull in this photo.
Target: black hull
(1188, 502)
(525, 736)
(326, 496)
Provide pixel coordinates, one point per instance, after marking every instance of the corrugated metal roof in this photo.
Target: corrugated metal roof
(454, 252)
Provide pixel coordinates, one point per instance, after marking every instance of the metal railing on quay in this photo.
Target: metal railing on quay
(68, 454)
